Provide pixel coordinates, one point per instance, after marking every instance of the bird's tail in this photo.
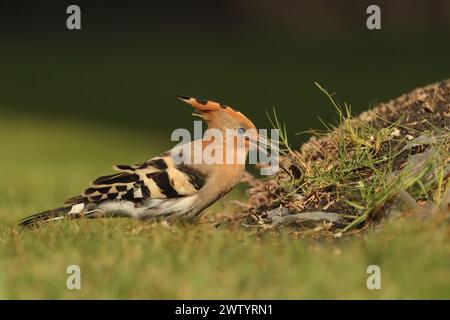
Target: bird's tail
(47, 216)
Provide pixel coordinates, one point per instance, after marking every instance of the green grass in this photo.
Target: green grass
(42, 163)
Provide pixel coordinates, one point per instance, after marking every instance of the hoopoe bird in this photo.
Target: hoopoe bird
(161, 188)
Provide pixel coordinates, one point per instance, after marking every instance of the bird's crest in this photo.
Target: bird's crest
(202, 104)
(208, 107)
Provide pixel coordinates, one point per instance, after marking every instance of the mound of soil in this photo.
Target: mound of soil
(295, 196)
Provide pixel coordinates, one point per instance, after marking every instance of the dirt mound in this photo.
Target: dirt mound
(391, 160)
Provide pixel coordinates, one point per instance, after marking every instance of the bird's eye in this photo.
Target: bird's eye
(240, 131)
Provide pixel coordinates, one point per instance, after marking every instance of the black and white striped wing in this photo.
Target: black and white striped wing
(156, 178)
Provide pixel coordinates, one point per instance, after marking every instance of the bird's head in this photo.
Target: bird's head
(222, 117)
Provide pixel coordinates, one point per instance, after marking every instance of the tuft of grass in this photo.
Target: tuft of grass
(361, 170)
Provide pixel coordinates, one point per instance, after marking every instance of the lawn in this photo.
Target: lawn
(43, 163)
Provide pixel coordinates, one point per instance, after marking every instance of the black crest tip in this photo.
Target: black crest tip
(182, 97)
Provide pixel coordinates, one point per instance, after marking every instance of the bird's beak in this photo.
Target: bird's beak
(251, 141)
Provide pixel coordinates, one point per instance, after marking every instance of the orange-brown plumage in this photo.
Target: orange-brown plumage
(162, 188)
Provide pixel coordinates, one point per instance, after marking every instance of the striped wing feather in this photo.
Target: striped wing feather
(156, 178)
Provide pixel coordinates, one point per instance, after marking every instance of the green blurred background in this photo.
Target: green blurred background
(124, 66)
(72, 103)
